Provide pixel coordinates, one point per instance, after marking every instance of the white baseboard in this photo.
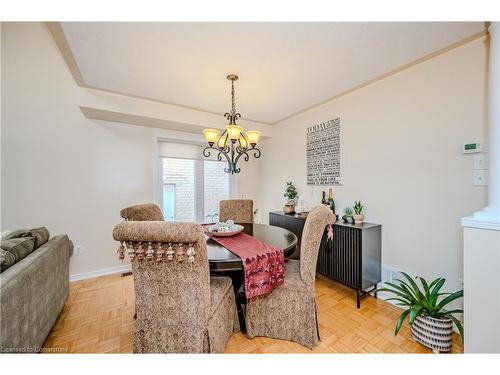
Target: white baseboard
(101, 272)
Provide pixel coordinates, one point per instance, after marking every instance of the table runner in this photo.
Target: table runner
(263, 263)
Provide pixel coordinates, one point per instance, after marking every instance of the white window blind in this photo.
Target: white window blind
(192, 185)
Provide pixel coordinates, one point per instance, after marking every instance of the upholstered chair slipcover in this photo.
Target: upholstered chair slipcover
(180, 308)
(238, 210)
(142, 212)
(289, 311)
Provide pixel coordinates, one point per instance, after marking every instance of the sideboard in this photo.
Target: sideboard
(352, 258)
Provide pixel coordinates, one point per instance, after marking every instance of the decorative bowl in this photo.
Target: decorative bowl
(215, 231)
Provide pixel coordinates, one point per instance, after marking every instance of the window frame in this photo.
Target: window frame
(199, 176)
(163, 196)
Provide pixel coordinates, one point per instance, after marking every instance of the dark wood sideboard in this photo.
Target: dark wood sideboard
(352, 258)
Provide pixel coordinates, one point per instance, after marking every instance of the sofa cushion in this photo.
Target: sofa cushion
(41, 235)
(7, 259)
(18, 248)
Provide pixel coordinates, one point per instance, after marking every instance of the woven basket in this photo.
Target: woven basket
(434, 333)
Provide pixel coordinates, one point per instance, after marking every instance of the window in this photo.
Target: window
(192, 189)
(215, 188)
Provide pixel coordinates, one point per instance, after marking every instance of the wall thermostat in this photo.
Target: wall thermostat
(470, 148)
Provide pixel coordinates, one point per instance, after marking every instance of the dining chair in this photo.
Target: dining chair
(289, 312)
(142, 212)
(180, 307)
(238, 210)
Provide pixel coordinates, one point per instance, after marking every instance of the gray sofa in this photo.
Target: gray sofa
(33, 291)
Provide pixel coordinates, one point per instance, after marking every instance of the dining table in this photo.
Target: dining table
(221, 259)
(224, 263)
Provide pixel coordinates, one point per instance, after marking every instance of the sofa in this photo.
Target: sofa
(34, 285)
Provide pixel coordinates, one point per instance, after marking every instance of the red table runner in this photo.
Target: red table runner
(263, 264)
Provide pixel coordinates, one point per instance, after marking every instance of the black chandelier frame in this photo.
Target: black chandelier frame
(234, 149)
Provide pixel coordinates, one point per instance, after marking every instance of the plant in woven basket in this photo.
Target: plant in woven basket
(425, 302)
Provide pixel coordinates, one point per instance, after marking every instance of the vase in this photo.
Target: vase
(433, 333)
(289, 208)
(358, 219)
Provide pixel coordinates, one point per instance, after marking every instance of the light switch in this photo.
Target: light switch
(480, 161)
(480, 177)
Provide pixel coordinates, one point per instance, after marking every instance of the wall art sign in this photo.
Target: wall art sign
(323, 153)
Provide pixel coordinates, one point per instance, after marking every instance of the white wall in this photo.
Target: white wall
(401, 142)
(59, 169)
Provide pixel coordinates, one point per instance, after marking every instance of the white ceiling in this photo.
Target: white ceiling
(283, 67)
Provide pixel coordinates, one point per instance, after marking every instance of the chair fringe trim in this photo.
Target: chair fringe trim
(135, 251)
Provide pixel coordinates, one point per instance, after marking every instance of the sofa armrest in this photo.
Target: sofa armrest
(32, 293)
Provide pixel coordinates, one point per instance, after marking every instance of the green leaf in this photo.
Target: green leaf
(449, 299)
(403, 283)
(415, 311)
(447, 313)
(438, 283)
(458, 323)
(400, 321)
(407, 290)
(434, 282)
(427, 292)
(425, 285)
(434, 295)
(397, 293)
(405, 303)
(402, 289)
(416, 289)
(405, 294)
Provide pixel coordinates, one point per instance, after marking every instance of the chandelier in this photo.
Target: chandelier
(234, 142)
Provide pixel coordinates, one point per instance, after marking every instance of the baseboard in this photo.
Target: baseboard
(101, 272)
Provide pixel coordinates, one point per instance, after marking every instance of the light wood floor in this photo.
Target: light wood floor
(98, 318)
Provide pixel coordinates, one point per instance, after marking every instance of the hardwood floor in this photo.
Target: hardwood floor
(98, 318)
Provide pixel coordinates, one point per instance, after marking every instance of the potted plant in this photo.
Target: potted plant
(348, 215)
(291, 195)
(431, 324)
(358, 212)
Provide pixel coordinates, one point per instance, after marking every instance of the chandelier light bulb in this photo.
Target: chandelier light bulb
(234, 132)
(211, 135)
(253, 137)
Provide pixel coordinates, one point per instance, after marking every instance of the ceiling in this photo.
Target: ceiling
(283, 67)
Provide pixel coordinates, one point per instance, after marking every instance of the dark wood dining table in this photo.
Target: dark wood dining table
(221, 259)
(223, 262)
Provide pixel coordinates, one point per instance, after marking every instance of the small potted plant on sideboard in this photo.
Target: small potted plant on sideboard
(291, 195)
(348, 215)
(358, 212)
(431, 324)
